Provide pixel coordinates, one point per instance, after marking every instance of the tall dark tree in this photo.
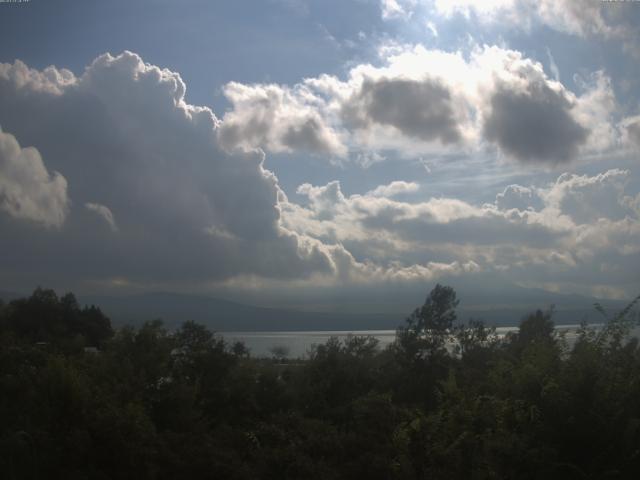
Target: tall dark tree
(421, 358)
(428, 327)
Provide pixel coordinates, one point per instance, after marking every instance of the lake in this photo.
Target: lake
(298, 344)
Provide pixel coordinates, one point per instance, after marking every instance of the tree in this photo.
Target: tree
(279, 352)
(95, 326)
(194, 339)
(43, 317)
(537, 328)
(420, 356)
(239, 349)
(438, 312)
(428, 327)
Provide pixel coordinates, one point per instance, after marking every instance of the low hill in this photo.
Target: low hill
(225, 315)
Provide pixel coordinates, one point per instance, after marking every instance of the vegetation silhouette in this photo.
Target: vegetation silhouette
(446, 400)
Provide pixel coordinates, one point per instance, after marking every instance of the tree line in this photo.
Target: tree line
(82, 400)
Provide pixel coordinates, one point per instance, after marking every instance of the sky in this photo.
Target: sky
(301, 152)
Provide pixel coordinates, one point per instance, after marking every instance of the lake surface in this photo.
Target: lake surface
(298, 344)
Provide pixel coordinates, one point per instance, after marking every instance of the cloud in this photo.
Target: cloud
(555, 71)
(429, 102)
(588, 199)
(631, 131)
(123, 136)
(397, 8)
(28, 81)
(383, 230)
(103, 212)
(183, 209)
(465, 7)
(610, 20)
(419, 109)
(534, 119)
(584, 18)
(324, 200)
(397, 187)
(534, 125)
(577, 17)
(188, 209)
(565, 230)
(634, 131)
(519, 198)
(278, 119)
(27, 190)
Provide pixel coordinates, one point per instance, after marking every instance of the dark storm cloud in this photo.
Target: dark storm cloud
(535, 125)
(418, 109)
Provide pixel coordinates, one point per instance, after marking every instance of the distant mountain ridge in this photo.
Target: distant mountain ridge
(225, 315)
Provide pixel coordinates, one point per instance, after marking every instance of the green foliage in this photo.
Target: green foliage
(45, 318)
(421, 359)
(434, 320)
(444, 401)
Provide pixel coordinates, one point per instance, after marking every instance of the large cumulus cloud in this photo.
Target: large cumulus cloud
(421, 101)
(133, 151)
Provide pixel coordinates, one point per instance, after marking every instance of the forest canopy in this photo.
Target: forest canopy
(81, 399)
